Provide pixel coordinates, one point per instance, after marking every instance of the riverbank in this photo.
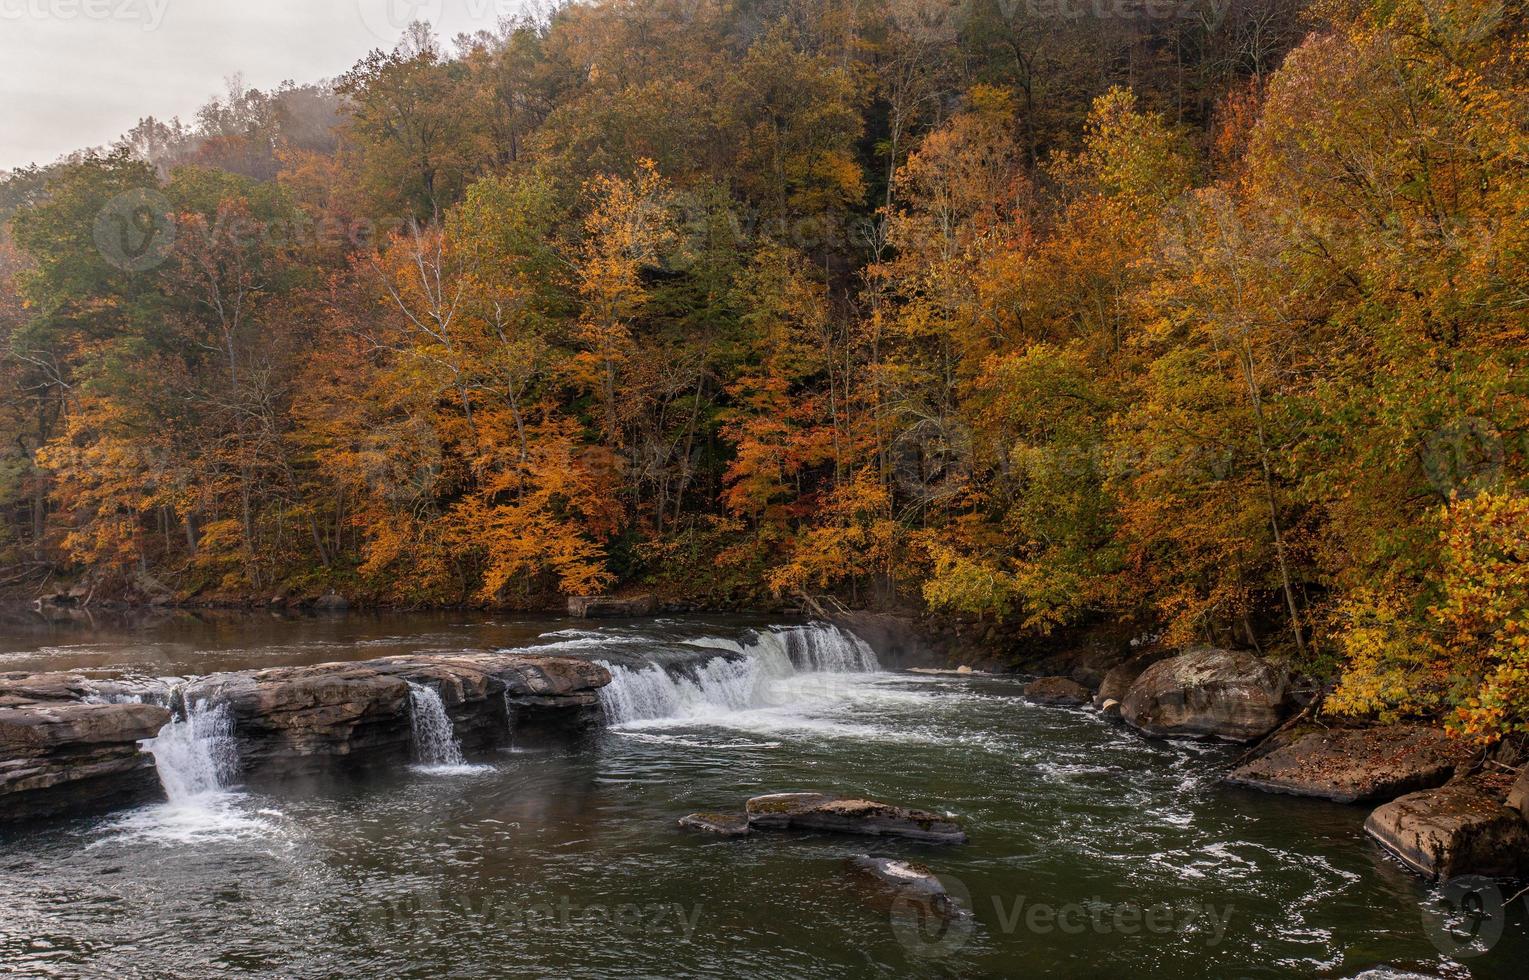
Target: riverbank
(413, 864)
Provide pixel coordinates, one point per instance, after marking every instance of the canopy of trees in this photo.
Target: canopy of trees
(1210, 318)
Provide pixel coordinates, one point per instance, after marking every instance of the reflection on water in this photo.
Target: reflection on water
(1093, 852)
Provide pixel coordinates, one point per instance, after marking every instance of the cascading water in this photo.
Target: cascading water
(757, 676)
(196, 754)
(435, 742)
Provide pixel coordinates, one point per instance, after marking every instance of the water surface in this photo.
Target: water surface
(1093, 852)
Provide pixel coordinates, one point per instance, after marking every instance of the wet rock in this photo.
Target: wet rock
(815, 811)
(897, 640)
(1354, 765)
(1453, 830)
(722, 824)
(607, 607)
(481, 689)
(904, 877)
(294, 719)
(1117, 681)
(1056, 690)
(1208, 693)
(72, 757)
(1110, 708)
(17, 689)
(331, 602)
(291, 719)
(1518, 796)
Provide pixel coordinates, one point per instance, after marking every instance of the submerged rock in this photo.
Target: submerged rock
(815, 811)
(1355, 765)
(722, 824)
(1056, 690)
(73, 757)
(905, 877)
(1208, 693)
(1454, 830)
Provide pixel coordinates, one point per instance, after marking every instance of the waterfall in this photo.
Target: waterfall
(757, 676)
(196, 754)
(435, 742)
(821, 649)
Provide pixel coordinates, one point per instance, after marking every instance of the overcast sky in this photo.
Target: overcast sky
(78, 73)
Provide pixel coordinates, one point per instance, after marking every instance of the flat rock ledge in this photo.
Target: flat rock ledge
(291, 719)
(1060, 691)
(71, 744)
(60, 754)
(1209, 694)
(1453, 830)
(721, 824)
(1356, 765)
(816, 811)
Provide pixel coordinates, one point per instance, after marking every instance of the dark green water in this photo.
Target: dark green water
(1093, 852)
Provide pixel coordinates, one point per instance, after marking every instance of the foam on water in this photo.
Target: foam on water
(196, 754)
(197, 760)
(797, 679)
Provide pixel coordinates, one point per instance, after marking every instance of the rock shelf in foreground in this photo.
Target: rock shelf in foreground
(1453, 830)
(1356, 765)
(65, 748)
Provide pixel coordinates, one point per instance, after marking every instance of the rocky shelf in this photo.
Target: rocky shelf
(71, 744)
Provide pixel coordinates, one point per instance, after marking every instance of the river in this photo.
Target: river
(1093, 852)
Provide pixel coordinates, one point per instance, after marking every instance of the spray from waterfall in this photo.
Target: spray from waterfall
(435, 742)
(196, 754)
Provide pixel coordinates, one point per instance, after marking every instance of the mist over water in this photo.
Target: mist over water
(568, 862)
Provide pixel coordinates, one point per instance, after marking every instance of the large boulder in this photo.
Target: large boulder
(1207, 693)
(1355, 765)
(1117, 681)
(331, 602)
(815, 811)
(1518, 796)
(61, 757)
(1453, 830)
(1056, 690)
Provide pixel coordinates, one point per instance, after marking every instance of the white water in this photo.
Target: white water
(436, 748)
(196, 755)
(774, 672)
(197, 760)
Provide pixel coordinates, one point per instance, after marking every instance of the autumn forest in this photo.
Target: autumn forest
(1210, 317)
